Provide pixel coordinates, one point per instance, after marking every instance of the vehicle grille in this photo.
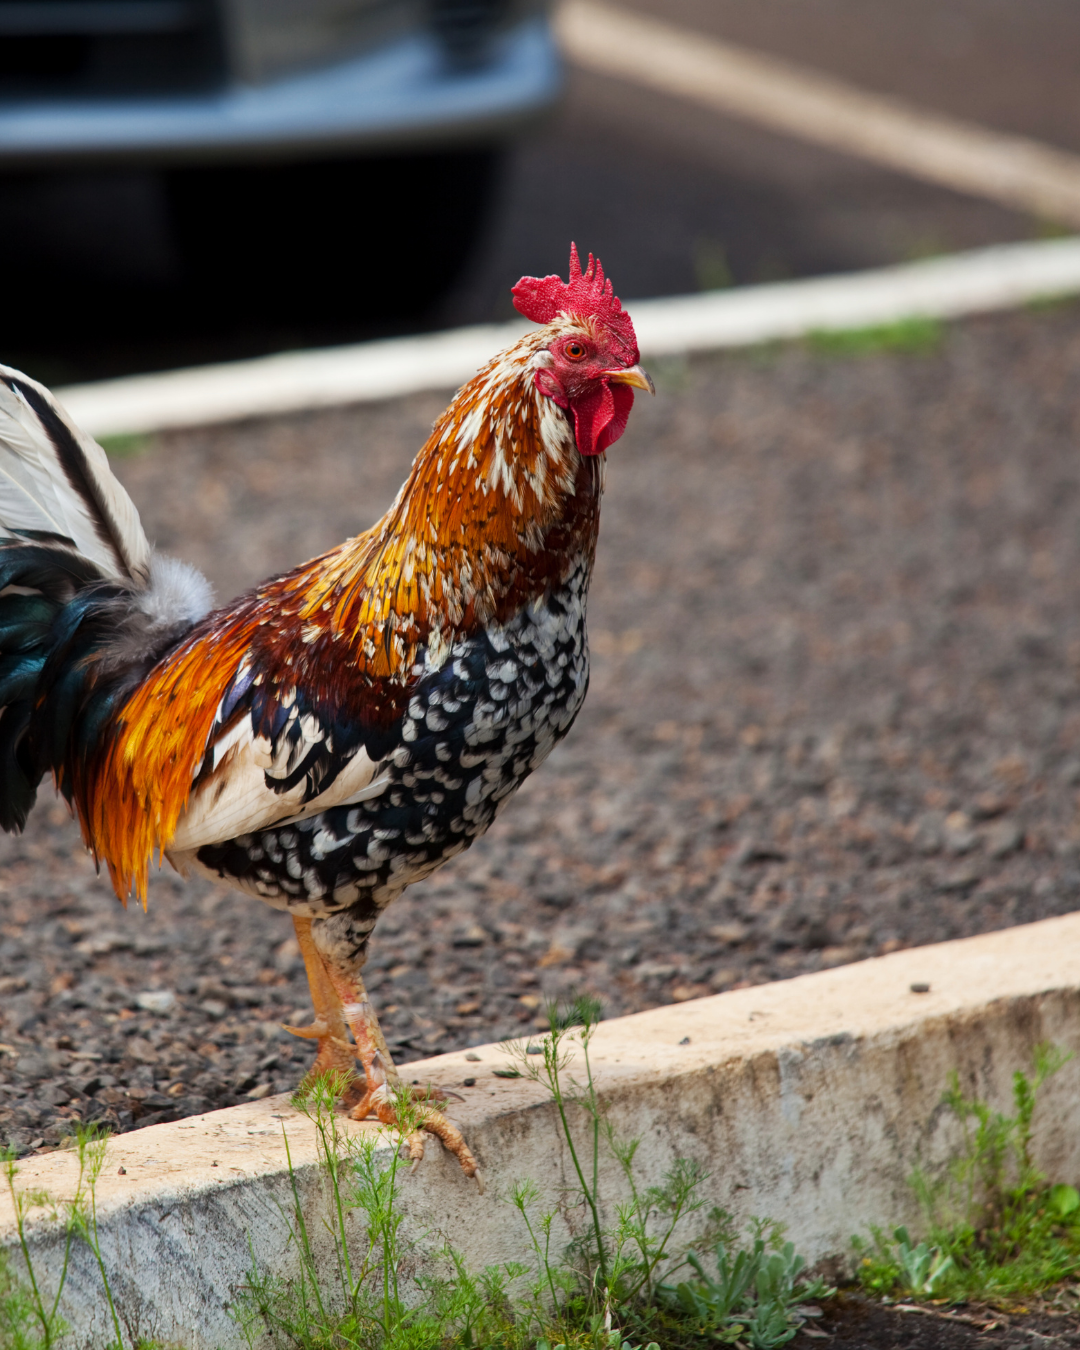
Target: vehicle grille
(52, 47)
(465, 27)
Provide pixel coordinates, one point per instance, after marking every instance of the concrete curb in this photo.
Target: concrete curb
(809, 1100)
(940, 288)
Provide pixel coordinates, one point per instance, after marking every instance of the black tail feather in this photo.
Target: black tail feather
(55, 572)
(73, 647)
(25, 621)
(19, 674)
(18, 784)
(45, 594)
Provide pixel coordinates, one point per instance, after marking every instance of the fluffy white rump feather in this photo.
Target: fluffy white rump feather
(175, 593)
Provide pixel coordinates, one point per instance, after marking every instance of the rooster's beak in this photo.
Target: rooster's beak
(632, 375)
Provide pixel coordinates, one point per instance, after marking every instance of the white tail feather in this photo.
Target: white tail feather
(56, 484)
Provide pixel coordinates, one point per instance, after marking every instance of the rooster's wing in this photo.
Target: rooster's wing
(271, 759)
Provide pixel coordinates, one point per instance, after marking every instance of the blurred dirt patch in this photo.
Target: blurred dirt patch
(859, 1324)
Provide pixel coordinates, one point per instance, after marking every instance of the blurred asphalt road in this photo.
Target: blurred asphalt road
(673, 197)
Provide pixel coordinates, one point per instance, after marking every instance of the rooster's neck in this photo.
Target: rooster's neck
(498, 508)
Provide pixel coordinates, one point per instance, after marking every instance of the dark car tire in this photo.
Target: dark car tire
(354, 240)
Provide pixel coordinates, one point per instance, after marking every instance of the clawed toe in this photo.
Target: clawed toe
(341, 1006)
(414, 1147)
(434, 1122)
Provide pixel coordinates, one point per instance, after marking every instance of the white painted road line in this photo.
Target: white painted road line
(942, 288)
(799, 102)
(322, 378)
(936, 288)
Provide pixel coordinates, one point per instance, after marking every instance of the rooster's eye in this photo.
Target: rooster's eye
(574, 350)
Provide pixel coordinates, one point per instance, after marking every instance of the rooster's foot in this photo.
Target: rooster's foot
(380, 1103)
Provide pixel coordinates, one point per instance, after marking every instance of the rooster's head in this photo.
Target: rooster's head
(590, 365)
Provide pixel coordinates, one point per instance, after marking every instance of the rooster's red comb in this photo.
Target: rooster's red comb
(587, 293)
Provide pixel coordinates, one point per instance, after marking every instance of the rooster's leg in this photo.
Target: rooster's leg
(335, 1054)
(384, 1087)
(343, 946)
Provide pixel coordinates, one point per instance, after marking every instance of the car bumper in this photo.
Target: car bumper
(402, 96)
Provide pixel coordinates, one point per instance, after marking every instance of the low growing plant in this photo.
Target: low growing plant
(611, 1288)
(627, 1280)
(756, 1296)
(900, 1266)
(996, 1229)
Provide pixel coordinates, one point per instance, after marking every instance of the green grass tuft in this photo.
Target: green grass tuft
(126, 446)
(996, 1229)
(919, 337)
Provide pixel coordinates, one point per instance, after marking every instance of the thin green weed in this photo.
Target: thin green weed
(29, 1315)
(20, 1326)
(615, 1279)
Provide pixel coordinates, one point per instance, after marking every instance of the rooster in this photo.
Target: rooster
(343, 730)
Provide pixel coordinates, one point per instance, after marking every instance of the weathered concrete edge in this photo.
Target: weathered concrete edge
(973, 282)
(808, 1100)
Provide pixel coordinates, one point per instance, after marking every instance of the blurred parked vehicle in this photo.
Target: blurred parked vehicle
(302, 150)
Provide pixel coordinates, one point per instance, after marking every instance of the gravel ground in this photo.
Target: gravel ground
(834, 712)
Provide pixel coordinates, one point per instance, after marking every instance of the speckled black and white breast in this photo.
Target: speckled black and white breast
(476, 726)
